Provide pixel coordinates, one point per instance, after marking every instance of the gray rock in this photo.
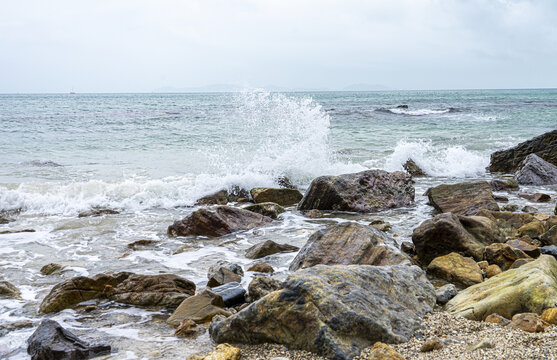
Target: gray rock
(549, 250)
(261, 286)
(445, 293)
(536, 171)
(267, 248)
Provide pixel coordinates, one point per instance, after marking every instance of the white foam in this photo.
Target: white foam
(418, 112)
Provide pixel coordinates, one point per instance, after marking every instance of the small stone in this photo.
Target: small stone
(550, 316)
(537, 197)
(431, 344)
(500, 198)
(9, 290)
(381, 225)
(483, 265)
(51, 268)
(381, 351)
(445, 293)
(482, 344)
(313, 214)
(529, 209)
(269, 209)
(97, 211)
(222, 352)
(262, 268)
(519, 262)
(408, 247)
(530, 322)
(141, 243)
(509, 207)
(492, 270)
(413, 169)
(267, 248)
(497, 319)
(189, 328)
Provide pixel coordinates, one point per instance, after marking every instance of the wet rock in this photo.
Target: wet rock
(381, 351)
(51, 268)
(500, 198)
(232, 293)
(280, 196)
(348, 243)
(503, 255)
(267, 248)
(199, 308)
(445, 293)
(507, 222)
(431, 345)
(529, 322)
(536, 171)
(261, 286)
(313, 214)
(413, 169)
(189, 328)
(218, 198)
(3, 232)
(367, 191)
(532, 288)
(549, 250)
(550, 236)
(335, 311)
(456, 269)
(224, 272)
(136, 245)
(381, 225)
(9, 290)
(509, 184)
(222, 352)
(536, 197)
(447, 233)
(143, 290)
(463, 198)
(224, 220)
(529, 209)
(52, 342)
(529, 249)
(533, 229)
(284, 181)
(407, 247)
(519, 262)
(509, 207)
(497, 319)
(269, 209)
(97, 211)
(550, 316)
(509, 160)
(262, 268)
(492, 270)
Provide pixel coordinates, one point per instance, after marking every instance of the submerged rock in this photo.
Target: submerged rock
(269, 209)
(456, 269)
(267, 248)
(508, 161)
(335, 311)
(536, 171)
(413, 169)
(52, 342)
(51, 268)
(462, 198)
(348, 243)
(224, 220)
(98, 211)
(9, 290)
(280, 196)
(366, 191)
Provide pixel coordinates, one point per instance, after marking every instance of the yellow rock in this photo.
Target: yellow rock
(222, 352)
(550, 316)
(497, 319)
(533, 229)
(492, 270)
(457, 269)
(381, 351)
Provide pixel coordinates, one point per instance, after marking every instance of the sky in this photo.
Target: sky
(144, 46)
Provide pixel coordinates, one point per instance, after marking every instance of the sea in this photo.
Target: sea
(150, 156)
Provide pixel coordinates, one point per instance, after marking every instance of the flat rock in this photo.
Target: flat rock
(509, 184)
(267, 248)
(536, 171)
(456, 269)
(269, 209)
(366, 191)
(280, 196)
(224, 272)
(199, 308)
(98, 211)
(529, 249)
(462, 198)
(529, 322)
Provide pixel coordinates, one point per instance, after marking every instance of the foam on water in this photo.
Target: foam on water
(418, 112)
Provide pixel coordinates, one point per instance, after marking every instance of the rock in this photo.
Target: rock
(519, 262)
(532, 229)
(536, 197)
(366, 191)
(529, 322)
(215, 269)
(508, 184)
(536, 171)
(492, 270)
(456, 269)
(407, 247)
(508, 161)
(224, 220)
(267, 248)
(482, 344)
(144, 290)
(189, 328)
(222, 352)
(381, 351)
(262, 268)
(223, 276)
(503, 255)
(500, 198)
(532, 288)
(462, 198)
(9, 290)
(348, 243)
(313, 214)
(261, 286)
(529, 249)
(97, 211)
(413, 169)
(507, 222)
(549, 237)
(280, 196)
(199, 308)
(549, 250)
(381, 225)
(52, 342)
(483, 264)
(445, 293)
(509, 207)
(232, 294)
(497, 319)
(218, 198)
(51, 268)
(335, 311)
(3, 232)
(136, 245)
(529, 209)
(550, 316)
(269, 209)
(431, 344)
(447, 233)
(284, 181)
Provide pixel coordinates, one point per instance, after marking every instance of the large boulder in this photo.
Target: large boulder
(52, 342)
(456, 269)
(164, 290)
(335, 311)
(348, 243)
(447, 233)
(281, 196)
(366, 191)
(536, 171)
(508, 161)
(530, 288)
(462, 198)
(267, 248)
(224, 220)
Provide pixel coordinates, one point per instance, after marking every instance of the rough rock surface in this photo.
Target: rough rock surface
(367, 191)
(267, 248)
(462, 198)
(222, 352)
(508, 222)
(262, 268)
(413, 169)
(503, 255)
(531, 288)
(269, 209)
(508, 184)
(550, 236)
(51, 268)
(261, 286)
(456, 269)
(224, 272)
(335, 311)
(9, 290)
(198, 308)
(280, 196)
(536, 171)
(529, 322)
(224, 220)
(445, 293)
(348, 243)
(96, 211)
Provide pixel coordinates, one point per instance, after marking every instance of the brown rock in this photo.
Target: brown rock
(431, 344)
(141, 243)
(492, 270)
(267, 248)
(189, 328)
(223, 276)
(198, 308)
(222, 352)
(456, 269)
(413, 169)
(98, 211)
(550, 316)
(550, 236)
(507, 222)
(519, 262)
(503, 255)
(281, 196)
(508, 184)
(51, 268)
(537, 197)
(462, 198)
(529, 249)
(381, 351)
(497, 319)
(483, 264)
(262, 268)
(9, 290)
(532, 229)
(218, 198)
(261, 286)
(530, 322)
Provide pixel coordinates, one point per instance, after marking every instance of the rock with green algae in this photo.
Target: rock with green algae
(270, 209)
(508, 222)
(456, 269)
(280, 196)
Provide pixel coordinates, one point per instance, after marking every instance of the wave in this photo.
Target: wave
(400, 110)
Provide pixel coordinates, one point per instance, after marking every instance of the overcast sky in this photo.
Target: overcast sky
(137, 45)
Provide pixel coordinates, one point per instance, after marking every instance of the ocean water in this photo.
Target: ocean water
(150, 156)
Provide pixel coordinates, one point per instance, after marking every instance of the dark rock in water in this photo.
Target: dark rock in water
(4, 220)
(218, 198)
(262, 286)
(9, 290)
(97, 211)
(537, 197)
(199, 308)
(402, 107)
(509, 207)
(335, 311)
(232, 293)
(445, 293)
(550, 236)
(508, 161)
(269, 209)
(366, 191)
(549, 250)
(16, 231)
(500, 198)
(348, 243)
(281, 196)
(462, 198)
(52, 342)
(267, 248)
(446, 233)
(413, 169)
(509, 184)
(262, 268)
(503, 255)
(51, 268)
(536, 171)
(43, 163)
(224, 272)
(285, 182)
(408, 248)
(136, 245)
(144, 290)
(224, 220)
